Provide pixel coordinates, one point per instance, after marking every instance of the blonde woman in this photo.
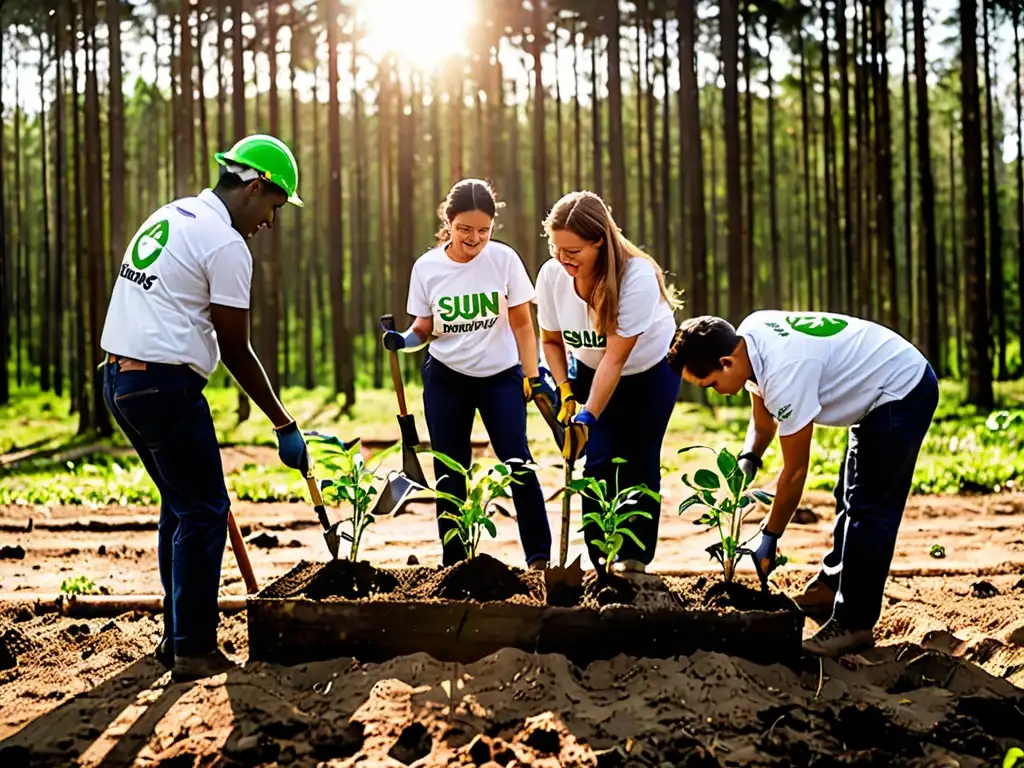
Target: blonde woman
(604, 301)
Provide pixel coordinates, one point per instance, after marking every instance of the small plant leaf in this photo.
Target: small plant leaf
(491, 528)
(632, 535)
(726, 463)
(694, 447)
(450, 535)
(764, 498)
(619, 460)
(705, 478)
(937, 551)
(449, 462)
(688, 502)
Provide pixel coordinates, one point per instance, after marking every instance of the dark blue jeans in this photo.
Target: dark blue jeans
(451, 400)
(631, 427)
(164, 414)
(871, 493)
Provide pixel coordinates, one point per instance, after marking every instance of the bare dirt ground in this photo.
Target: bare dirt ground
(944, 687)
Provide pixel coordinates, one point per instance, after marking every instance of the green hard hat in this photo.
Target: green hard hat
(270, 157)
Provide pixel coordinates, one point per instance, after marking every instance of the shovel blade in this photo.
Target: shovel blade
(334, 536)
(564, 585)
(397, 492)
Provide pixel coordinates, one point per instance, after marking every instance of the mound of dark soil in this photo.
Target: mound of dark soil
(482, 578)
(742, 597)
(612, 589)
(350, 580)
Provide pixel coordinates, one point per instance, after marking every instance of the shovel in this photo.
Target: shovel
(401, 485)
(333, 534)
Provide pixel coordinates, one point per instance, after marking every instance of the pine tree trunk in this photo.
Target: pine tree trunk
(595, 114)
(749, 272)
(997, 306)
(616, 149)
(5, 264)
(910, 326)
(47, 276)
(805, 137)
(203, 161)
(692, 175)
(359, 212)
(309, 253)
(716, 289)
(21, 281)
(773, 208)
(540, 159)
(335, 246)
(883, 166)
(116, 150)
(61, 181)
(830, 263)
(577, 123)
(728, 18)
(559, 151)
(959, 305)
(1020, 181)
(185, 177)
(849, 255)
(924, 172)
(641, 86)
(657, 209)
(664, 256)
(238, 110)
(81, 364)
(98, 291)
(271, 265)
(222, 130)
(979, 362)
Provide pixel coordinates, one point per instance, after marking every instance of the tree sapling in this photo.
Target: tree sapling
(726, 498)
(353, 481)
(482, 491)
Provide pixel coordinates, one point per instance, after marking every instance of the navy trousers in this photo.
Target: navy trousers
(631, 427)
(871, 494)
(451, 400)
(165, 415)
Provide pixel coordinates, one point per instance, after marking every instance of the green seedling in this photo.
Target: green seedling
(1014, 758)
(613, 513)
(79, 585)
(475, 512)
(937, 551)
(354, 482)
(724, 494)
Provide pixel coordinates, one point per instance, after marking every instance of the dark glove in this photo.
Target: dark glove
(766, 550)
(291, 447)
(576, 433)
(393, 341)
(536, 387)
(749, 464)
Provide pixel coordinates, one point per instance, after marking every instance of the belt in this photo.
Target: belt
(126, 363)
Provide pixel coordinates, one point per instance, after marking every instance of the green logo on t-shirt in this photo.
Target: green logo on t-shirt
(471, 306)
(149, 244)
(584, 339)
(784, 412)
(821, 326)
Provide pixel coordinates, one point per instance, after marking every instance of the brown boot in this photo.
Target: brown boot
(816, 600)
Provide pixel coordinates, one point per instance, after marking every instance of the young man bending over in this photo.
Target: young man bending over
(812, 368)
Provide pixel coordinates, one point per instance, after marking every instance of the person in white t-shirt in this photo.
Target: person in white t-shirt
(179, 305)
(470, 297)
(807, 368)
(603, 301)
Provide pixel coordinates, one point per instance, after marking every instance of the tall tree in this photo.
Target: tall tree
(616, 149)
(5, 264)
(540, 155)
(997, 307)
(692, 176)
(115, 135)
(1019, 172)
(979, 361)
(185, 176)
(908, 184)
(883, 160)
(46, 273)
(926, 182)
(61, 186)
(93, 154)
(728, 19)
(273, 289)
(773, 208)
(843, 62)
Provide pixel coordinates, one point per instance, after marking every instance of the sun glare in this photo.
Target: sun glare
(422, 32)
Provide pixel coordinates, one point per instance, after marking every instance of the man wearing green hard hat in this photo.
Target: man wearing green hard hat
(179, 305)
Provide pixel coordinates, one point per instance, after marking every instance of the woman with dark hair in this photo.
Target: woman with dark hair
(604, 301)
(471, 298)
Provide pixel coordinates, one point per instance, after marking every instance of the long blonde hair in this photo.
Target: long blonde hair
(587, 216)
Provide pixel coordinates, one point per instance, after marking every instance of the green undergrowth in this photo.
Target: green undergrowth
(966, 451)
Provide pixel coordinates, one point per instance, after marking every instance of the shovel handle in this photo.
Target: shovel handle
(242, 556)
(387, 322)
(318, 501)
(563, 549)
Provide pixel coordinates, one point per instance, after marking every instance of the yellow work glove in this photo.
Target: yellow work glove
(568, 407)
(577, 432)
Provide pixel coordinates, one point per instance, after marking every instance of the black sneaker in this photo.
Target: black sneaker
(188, 668)
(833, 640)
(163, 652)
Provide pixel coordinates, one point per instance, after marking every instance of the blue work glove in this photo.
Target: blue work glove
(766, 550)
(291, 447)
(394, 341)
(576, 433)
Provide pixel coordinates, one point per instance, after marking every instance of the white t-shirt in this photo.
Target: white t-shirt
(469, 303)
(184, 257)
(827, 368)
(642, 311)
